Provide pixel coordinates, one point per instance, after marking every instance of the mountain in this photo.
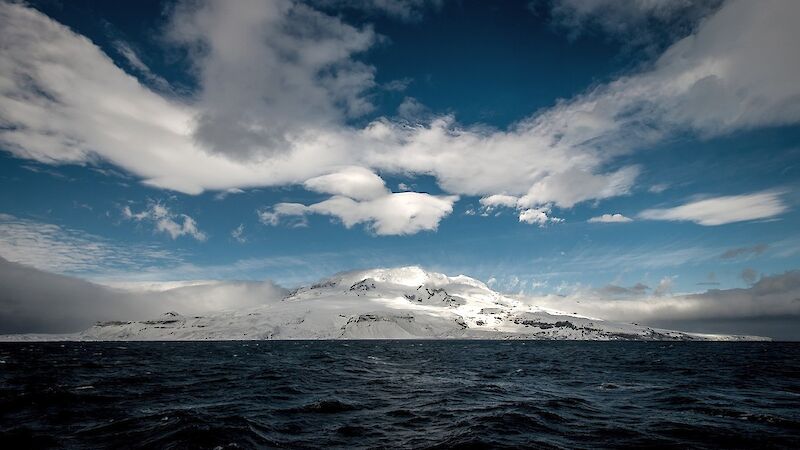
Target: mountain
(398, 303)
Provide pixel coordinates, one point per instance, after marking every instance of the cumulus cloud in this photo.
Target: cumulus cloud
(493, 201)
(359, 196)
(279, 83)
(166, 221)
(269, 70)
(399, 213)
(722, 210)
(610, 218)
(391, 214)
(535, 216)
(35, 301)
(97, 110)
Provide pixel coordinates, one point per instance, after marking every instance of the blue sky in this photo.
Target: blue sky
(547, 147)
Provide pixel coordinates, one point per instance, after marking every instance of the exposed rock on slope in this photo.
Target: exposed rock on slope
(400, 303)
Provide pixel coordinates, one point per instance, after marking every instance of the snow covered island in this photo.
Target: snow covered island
(399, 303)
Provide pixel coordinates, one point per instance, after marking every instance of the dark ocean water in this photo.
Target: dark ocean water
(378, 394)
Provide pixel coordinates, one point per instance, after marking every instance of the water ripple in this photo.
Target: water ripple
(399, 394)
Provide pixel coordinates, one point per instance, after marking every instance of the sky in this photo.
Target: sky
(641, 158)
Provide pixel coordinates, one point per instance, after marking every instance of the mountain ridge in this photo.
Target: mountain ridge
(382, 303)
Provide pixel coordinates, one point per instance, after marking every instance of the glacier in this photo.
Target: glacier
(395, 303)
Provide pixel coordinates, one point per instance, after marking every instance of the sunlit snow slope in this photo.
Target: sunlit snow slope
(399, 303)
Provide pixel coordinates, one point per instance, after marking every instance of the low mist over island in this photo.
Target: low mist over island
(400, 303)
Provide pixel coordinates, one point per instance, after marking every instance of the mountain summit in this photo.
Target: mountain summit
(396, 303)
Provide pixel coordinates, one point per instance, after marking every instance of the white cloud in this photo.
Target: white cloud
(355, 182)
(722, 210)
(573, 185)
(269, 70)
(493, 201)
(238, 234)
(537, 216)
(166, 221)
(359, 196)
(222, 195)
(272, 216)
(610, 218)
(137, 64)
(399, 213)
(534, 216)
(392, 214)
(59, 249)
(736, 71)
(278, 82)
(95, 110)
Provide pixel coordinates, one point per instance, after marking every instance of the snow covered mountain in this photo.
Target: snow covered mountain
(399, 303)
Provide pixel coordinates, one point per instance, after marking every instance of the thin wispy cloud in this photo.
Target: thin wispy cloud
(722, 210)
(744, 252)
(64, 250)
(238, 234)
(133, 59)
(635, 22)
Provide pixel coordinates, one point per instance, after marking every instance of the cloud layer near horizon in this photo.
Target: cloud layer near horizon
(273, 109)
(35, 301)
(772, 301)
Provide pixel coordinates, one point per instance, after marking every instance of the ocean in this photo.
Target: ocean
(399, 394)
